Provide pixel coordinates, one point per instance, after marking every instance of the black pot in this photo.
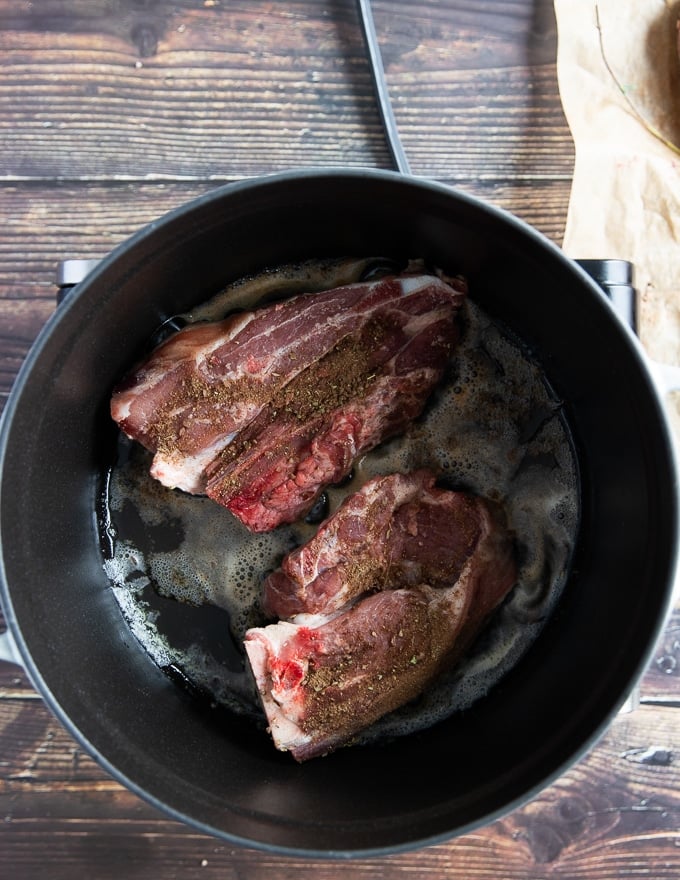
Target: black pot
(216, 773)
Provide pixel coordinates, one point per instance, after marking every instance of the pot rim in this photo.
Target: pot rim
(177, 215)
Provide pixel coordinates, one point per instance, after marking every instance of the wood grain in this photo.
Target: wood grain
(201, 97)
(113, 112)
(74, 220)
(617, 809)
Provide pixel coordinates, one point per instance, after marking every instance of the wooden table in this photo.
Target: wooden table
(113, 112)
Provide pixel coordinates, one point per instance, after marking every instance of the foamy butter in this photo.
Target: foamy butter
(493, 427)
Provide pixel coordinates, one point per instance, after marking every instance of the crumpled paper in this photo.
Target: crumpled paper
(619, 78)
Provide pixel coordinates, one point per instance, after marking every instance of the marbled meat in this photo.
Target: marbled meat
(324, 677)
(264, 409)
(398, 530)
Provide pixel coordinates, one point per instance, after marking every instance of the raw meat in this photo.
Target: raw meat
(274, 471)
(324, 678)
(398, 530)
(333, 372)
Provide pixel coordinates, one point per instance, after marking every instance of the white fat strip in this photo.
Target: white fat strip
(412, 283)
(120, 408)
(285, 733)
(187, 472)
(276, 634)
(313, 621)
(239, 322)
(344, 322)
(182, 474)
(417, 323)
(259, 644)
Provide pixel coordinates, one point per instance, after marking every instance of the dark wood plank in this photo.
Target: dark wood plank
(115, 111)
(50, 223)
(617, 809)
(145, 91)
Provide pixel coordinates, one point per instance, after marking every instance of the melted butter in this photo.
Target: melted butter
(493, 427)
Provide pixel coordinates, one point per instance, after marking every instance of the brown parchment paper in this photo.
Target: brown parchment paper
(619, 80)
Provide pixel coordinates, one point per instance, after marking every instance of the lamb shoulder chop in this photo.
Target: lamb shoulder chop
(264, 409)
(325, 677)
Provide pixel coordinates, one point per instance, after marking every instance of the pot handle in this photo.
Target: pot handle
(8, 649)
(70, 273)
(666, 376)
(382, 95)
(615, 277)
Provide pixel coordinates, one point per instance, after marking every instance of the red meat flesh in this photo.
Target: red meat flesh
(306, 367)
(399, 530)
(324, 678)
(277, 476)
